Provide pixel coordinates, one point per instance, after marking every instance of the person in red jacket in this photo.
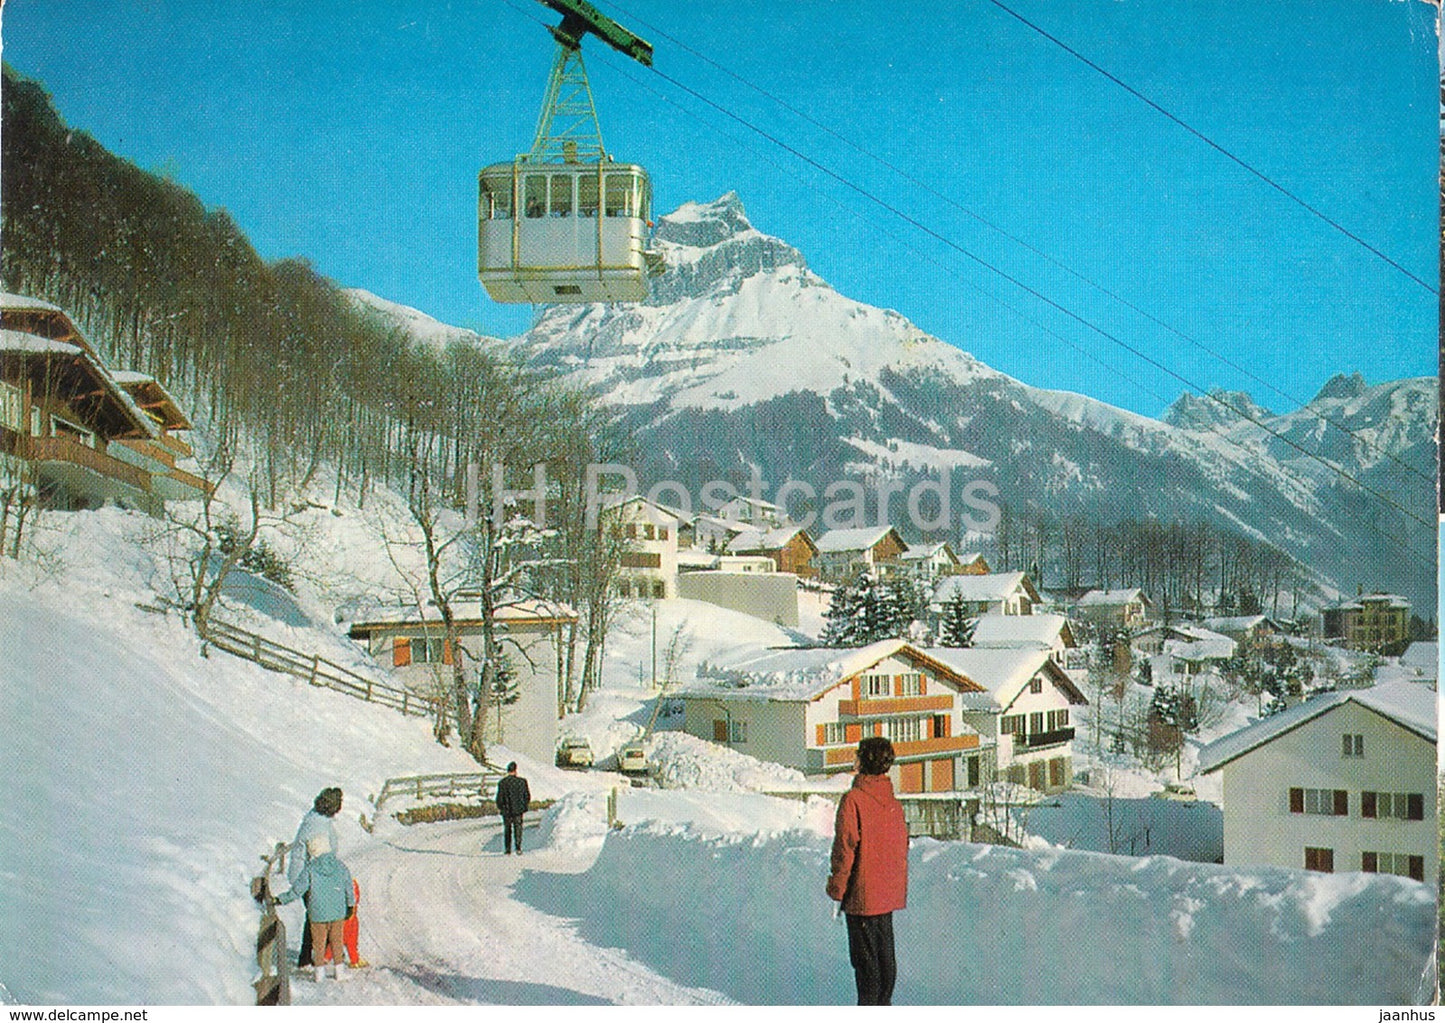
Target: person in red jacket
(870, 870)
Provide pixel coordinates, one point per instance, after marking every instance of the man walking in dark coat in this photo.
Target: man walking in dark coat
(870, 870)
(513, 798)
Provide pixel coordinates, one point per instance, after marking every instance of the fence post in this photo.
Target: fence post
(315, 665)
(273, 986)
(256, 647)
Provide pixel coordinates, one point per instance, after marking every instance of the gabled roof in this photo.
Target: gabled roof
(863, 538)
(993, 586)
(1392, 599)
(656, 512)
(752, 540)
(91, 377)
(153, 398)
(721, 525)
(925, 551)
(799, 674)
(1409, 705)
(465, 613)
(1041, 631)
(1112, 598)
(1005, 672)
(9, 300)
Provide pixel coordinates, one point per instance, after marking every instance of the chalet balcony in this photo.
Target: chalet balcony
(1040, 740)
(835, 757)
(882, 706)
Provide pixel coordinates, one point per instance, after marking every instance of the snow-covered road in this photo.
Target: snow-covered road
(439, 926)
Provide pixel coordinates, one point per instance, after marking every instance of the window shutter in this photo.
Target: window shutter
(1342, 803)
(1367, 804)
(400, 652)
(1415, 807)
(852, 733)
(1417, 868)
(1296, 800)
(719, 730)
(447, 657)
(1370, 862)
(821, 739)
(1348, 746)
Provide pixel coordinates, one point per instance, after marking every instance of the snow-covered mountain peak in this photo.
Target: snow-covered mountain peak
(1218, 408)
(701, 225)
(1343, 386)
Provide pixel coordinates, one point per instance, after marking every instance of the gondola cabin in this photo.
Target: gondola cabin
(564, 232)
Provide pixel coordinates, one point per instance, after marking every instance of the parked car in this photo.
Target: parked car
(632, 758)
(574, 752)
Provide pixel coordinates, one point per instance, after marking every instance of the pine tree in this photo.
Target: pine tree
(956, 626)
(865, 611)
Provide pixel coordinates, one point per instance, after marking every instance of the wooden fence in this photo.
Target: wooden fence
(314, 668)
(420, 786)
(273, 986)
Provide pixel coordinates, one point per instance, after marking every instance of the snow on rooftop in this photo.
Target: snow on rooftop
(1003, 671)
(763, 539)
(860, 538)
(1411, 706)
(463, 610)
(795, 673)
(1424, 656)
(1041, 630)
(20, 341)
(1108, 598)
(993, 586)
(9, 300)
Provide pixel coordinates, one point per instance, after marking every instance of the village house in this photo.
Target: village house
(1196, 650)
(1027, 711)
(713, 534)
(807, 708)
(843, 554)
(1247, 630)
(1123, 609)
(1049, 632)
(1344, 781)
(998, 593)
(80, 434)
(411, 641)
(753, 511)
(973, 564)
(1372, 621)
(928, 562)
(790, 548)
(648, 569)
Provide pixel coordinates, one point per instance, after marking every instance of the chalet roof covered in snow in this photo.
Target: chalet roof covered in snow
(1409, 705)
(34, 344)
(658, 514)
(804, 673)
(465, 612)
(1040, 631)
(862, 538)
(764, 539)
(1112, 598)
(13, 301)
(1389, 599)
(1199, 644)
(972, 588)
(923, 552)
(1005, 672)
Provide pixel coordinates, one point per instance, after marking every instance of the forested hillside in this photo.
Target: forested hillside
(287, 375)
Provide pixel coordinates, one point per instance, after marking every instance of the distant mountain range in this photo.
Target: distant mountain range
(743, 359)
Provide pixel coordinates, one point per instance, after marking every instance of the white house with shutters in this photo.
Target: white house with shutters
(649, 561)
(1027, 709)
(1344, 781)
(808, 708)
(997, 593)
(1049, 632)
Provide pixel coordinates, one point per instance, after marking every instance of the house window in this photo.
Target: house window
(737, 731)
(65, 428)
(1036, 685)
(1352, 745)
(904, 729)
(649, 532)
(1011, 724)
(834, 733)
(910, 684)
(659, 589)
(1393, 863)
(877, 685)
(662, 532)
(1404, 806)
(1036, 722)
(632, 531)
(428, 650)
(1058, 719)
(940, 726)
(1319, 859)
(1324, 802)
(12, 407)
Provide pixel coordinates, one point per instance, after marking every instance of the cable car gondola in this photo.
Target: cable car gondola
(564, 222)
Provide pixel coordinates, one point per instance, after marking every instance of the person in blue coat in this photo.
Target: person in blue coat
(319, 821)
(325, 882)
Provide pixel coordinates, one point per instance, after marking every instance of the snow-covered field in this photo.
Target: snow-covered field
(144, 781)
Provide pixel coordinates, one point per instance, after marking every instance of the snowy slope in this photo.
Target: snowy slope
(144, 780)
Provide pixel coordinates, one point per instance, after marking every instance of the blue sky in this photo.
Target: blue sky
(350, 133)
